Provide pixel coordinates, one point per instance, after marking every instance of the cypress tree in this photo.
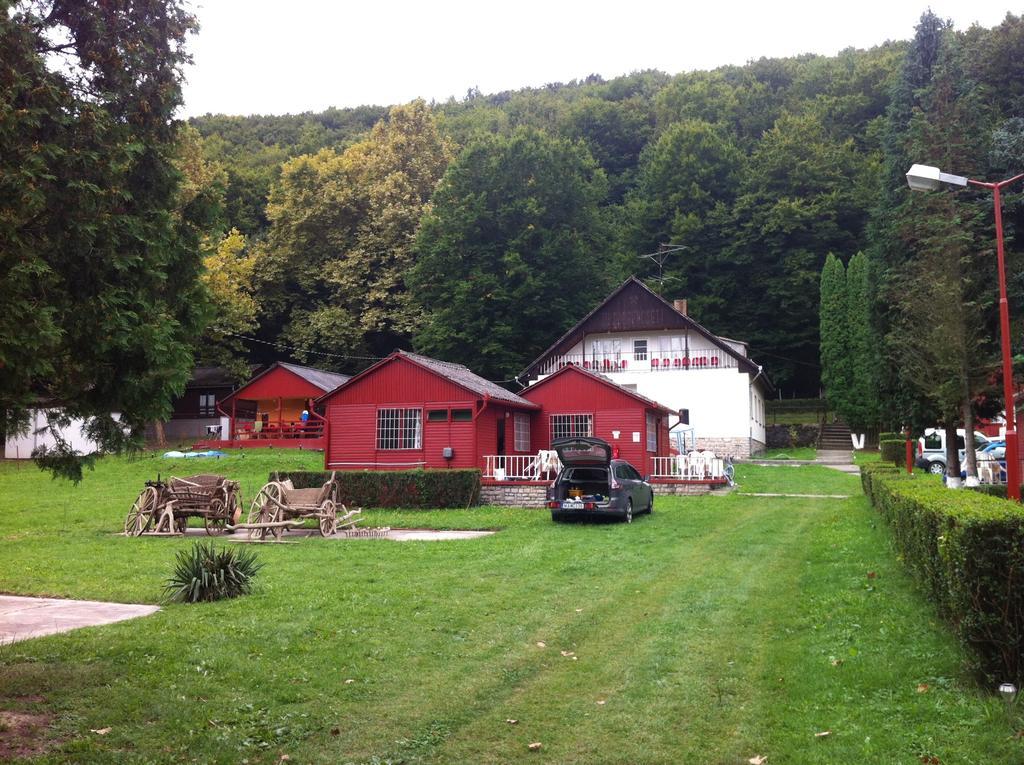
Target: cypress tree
(862, 402)
(833, 319)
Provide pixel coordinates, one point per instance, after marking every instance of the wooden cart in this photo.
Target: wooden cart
(279, 505)
(165, 508)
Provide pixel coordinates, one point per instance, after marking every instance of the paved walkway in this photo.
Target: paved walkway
(23, 618)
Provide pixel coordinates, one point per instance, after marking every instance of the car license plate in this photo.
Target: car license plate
(572, 504)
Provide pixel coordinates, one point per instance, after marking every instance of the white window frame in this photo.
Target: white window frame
(207, 404)
(399, 428)
(570, 425)
(652, 433)
(521, 425)
(638, 354)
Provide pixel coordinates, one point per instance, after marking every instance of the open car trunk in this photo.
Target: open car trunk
(584, 483)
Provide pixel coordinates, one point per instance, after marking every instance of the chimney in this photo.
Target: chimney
(680, 305)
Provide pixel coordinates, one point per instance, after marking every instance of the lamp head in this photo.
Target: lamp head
(928, 178)
(923, 178)
(1008, 691)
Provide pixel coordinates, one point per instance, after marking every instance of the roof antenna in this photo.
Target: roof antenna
(660, 256)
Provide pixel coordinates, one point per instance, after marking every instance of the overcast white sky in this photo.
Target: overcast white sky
(274, 57)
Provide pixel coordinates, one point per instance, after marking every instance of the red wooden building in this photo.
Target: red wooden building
(577, 402)
(410, 411)
(267, 410)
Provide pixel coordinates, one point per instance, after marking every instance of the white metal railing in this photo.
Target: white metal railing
(521, 467)
(696, 466)
(653, 361)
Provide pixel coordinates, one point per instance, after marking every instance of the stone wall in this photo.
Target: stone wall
(681, 489)
(514, 494)
(738, 448)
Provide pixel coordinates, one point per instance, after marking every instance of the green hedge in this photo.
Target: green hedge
(890, 437)
(967, 550)
(394, 488)
(893, 450)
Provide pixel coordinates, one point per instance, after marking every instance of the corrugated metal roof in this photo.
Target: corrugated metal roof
(325, 381)
(463, 377)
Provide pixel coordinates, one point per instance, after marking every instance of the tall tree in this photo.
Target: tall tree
(334, 267)
(101, 291)
(511, 252)
(861, 405)
(835, 334)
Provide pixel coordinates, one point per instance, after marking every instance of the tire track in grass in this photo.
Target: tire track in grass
(668, 660)
(482, 682)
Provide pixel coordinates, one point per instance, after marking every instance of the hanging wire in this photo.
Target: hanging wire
(284, 347)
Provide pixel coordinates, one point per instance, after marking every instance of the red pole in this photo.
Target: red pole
(910, 454)
(1012, 450)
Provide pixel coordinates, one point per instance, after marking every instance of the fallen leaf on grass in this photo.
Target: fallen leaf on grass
(922, 688)
(758, 759)
(930, 759)
(579, 610)
(335, 731)
(541, 644)
(100, 731)
(285, 758)
(822, 734)
(567, 654)
(511, 722)
(534, 746)
(601, 702)
(349, 681)
(872, 575)
(837, 662)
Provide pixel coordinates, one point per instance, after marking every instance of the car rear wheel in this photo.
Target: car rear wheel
(557, 517)
(650, 507)
(629, 511)
(936, 468)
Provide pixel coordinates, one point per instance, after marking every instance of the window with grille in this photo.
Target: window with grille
(652, 433)
(207, 405)
(522, 426)
(399, 429)
(640, 350)
(569, 425)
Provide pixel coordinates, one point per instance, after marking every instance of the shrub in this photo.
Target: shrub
(790, 436)
(206, 574)
(396, 488)
(967, 550)
(893, 450)
(890, 437)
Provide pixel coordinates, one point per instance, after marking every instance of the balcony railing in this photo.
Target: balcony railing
(521, 467)
(695, 467)
(668, 361)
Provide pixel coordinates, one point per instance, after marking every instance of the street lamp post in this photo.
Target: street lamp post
(925, 178)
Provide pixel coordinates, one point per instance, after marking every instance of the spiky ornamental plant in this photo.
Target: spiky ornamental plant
(207, 574)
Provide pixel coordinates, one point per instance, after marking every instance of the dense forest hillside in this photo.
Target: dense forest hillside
(482, 227)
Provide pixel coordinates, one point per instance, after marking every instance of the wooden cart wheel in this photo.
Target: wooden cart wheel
(264, 510)
(234, 513)
(214, 519)
(141, 514)
(328, 518)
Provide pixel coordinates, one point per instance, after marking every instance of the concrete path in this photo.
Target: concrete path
(23, 618)
(396, 535)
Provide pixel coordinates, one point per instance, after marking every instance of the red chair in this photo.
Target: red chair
(586, 365)
(702, 361)
(665, 363)
(678, 362)
(607, 364)
(654, 363)
(714, 361)
(624, 363)
(686, 362)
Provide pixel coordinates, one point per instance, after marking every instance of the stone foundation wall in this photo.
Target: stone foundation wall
(681, 489)
(738, 448)
(514, 494)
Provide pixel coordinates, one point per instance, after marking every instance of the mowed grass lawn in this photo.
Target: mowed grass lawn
(717, 630)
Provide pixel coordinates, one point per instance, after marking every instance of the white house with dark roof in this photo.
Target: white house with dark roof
(646, 344)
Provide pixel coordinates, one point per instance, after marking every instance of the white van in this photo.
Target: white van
(931, 449)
